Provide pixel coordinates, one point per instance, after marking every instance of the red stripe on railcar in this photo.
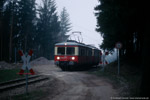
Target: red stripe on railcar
(66, 58)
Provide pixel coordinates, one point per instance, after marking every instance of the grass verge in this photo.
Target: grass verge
(34, 95)
(129, 80)
(9, 74)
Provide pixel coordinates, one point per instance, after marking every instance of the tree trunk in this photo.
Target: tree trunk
(10, 39)
(1, 42)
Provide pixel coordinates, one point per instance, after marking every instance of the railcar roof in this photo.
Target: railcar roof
(70, 43)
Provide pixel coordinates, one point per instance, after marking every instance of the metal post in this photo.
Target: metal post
(27, 81)
(103, 61)
(118, 62)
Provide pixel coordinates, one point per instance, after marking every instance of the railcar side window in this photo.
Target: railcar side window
(89, 52)
(61, 50)
(70, 50)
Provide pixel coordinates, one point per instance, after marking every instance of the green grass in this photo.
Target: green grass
(34, 95)
(9, 74)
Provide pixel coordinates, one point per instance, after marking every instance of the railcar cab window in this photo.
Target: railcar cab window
(70, 50)
(61, 51)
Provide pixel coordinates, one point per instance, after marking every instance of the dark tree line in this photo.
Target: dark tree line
(119, 21)
(126, 21)
(25, 25)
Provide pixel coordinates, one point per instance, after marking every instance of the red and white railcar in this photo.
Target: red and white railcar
(72, 55)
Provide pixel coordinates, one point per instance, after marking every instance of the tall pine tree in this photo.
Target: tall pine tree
(127, 21)
(1, 33)
(18, 27)
(26, 15)
(48, 28)
(65, 25)
(6, 12)
(118, 21)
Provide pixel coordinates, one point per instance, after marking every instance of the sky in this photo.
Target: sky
(82, 19)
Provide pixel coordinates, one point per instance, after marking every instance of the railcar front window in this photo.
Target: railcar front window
(61, 51)
(70, 50)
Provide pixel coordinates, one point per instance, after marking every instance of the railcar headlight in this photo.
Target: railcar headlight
(73, 58)
(58, 58)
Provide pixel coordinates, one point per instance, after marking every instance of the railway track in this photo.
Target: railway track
(21, 82)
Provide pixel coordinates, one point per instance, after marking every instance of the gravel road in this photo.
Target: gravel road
(76, 85)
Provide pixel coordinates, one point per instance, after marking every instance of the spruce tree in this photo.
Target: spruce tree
(26, 15)
(65, 25)
(118, 21)
(48, 28)
(6, 20)
(1, 33)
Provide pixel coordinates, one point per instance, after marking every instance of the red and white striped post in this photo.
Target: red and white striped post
(103, 60)
(22, 57)
(29, 66)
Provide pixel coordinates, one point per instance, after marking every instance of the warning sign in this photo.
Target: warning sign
(26, 64)
(118, 45)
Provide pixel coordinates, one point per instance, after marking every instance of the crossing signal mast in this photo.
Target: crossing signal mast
(26, 66)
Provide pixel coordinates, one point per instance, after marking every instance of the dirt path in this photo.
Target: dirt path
(77, 85)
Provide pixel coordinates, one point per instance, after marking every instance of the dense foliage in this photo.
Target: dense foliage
(48, 28)
(25, 25)
(127, 21)
(119, 21)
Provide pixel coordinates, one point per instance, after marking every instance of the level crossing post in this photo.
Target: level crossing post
(27, 81)
(26, 66)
